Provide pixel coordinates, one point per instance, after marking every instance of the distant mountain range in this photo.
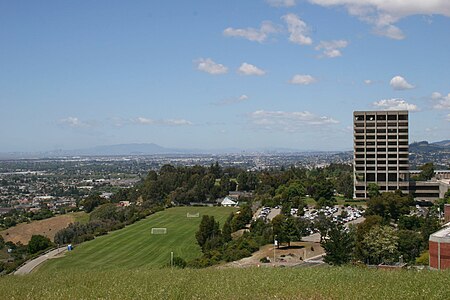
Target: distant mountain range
(423, 147)
(148, 149)
(426, 147)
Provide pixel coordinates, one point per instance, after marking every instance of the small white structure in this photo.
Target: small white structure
(227, 201)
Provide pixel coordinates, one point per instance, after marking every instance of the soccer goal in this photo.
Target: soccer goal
(193, 215)
(159, 230)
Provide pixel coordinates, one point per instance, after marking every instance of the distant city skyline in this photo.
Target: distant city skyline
(213, 75)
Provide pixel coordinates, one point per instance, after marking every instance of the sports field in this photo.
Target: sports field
(135, 246)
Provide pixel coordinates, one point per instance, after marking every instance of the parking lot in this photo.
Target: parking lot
(344, 215)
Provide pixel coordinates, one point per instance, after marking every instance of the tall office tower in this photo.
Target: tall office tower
(380, 143)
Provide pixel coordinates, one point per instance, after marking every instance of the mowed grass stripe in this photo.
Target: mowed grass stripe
(135, 246)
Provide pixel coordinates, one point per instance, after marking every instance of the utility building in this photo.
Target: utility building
(380, 143)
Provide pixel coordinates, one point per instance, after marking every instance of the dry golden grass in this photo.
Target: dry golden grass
(48, 227)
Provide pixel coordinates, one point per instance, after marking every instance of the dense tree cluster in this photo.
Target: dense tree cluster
(389, 233)
(217, 244)
(287, 229)
(389, 205)
(17, 216)
(16, 254)
(183, 185)
(39, 243)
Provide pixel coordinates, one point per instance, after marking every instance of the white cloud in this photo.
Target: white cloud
(302, 79)
(209, 66)
(248, 69)
(241, 98)
(442, 102)
(74, 122)
(252, 34)
(400, 83)
(383, 14)
(281, 3)
(287, 121)
(331, 48)
(298, 30)
(368, 81)
(436, 95)
(395, 104)
(164, 122)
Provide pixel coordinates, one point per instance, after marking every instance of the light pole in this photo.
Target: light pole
(275, 243)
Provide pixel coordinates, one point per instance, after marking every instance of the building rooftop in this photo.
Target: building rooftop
(441, 235)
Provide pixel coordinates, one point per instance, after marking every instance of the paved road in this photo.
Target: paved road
(29, 266)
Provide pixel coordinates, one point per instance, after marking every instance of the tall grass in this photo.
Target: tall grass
(253, 283)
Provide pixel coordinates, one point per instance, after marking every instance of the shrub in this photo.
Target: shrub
(179, 262)
(423, 259)
(39, 243)
(264, 260)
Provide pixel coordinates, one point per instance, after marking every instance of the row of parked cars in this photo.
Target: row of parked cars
(265, 211)
(344, 215)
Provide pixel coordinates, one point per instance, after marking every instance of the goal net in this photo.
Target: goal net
(193, 215)
(159, 230)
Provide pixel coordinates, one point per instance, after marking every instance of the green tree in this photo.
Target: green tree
(323, 225)
(344, 185)
(242, 218)
(92, 202)
(427, 171)
(389, 205)
(105, 212)
(430, 225)
(226, 229)
(373, 190)
(208, 229)
(38, 243)
(292, 229)
(338, 245)
(414, 223)
(410, 244)
(279, 229)
(288, 229)
(322, 188)
(380, 245)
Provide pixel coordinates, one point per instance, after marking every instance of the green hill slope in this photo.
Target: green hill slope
(253, 283)
(135, 246)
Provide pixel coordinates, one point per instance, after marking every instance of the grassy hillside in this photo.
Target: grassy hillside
(255, 283)
(47, 227)
(135, 246)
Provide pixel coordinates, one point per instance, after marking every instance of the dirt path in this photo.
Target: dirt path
(32, 264)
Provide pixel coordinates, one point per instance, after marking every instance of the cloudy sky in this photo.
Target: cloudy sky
(218, 74)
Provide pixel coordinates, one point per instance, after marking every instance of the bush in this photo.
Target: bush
(179, 262)
(264, 260)
(39, 243)
(423, 259)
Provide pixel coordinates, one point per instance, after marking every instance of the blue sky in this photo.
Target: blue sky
(218, 74)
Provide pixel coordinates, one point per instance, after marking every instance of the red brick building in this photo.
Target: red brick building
(447, 213)
(439, 244)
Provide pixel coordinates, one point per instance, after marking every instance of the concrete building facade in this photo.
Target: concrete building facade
(381, 151)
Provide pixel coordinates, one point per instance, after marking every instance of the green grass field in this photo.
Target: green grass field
(135, 246)
(211, 283)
